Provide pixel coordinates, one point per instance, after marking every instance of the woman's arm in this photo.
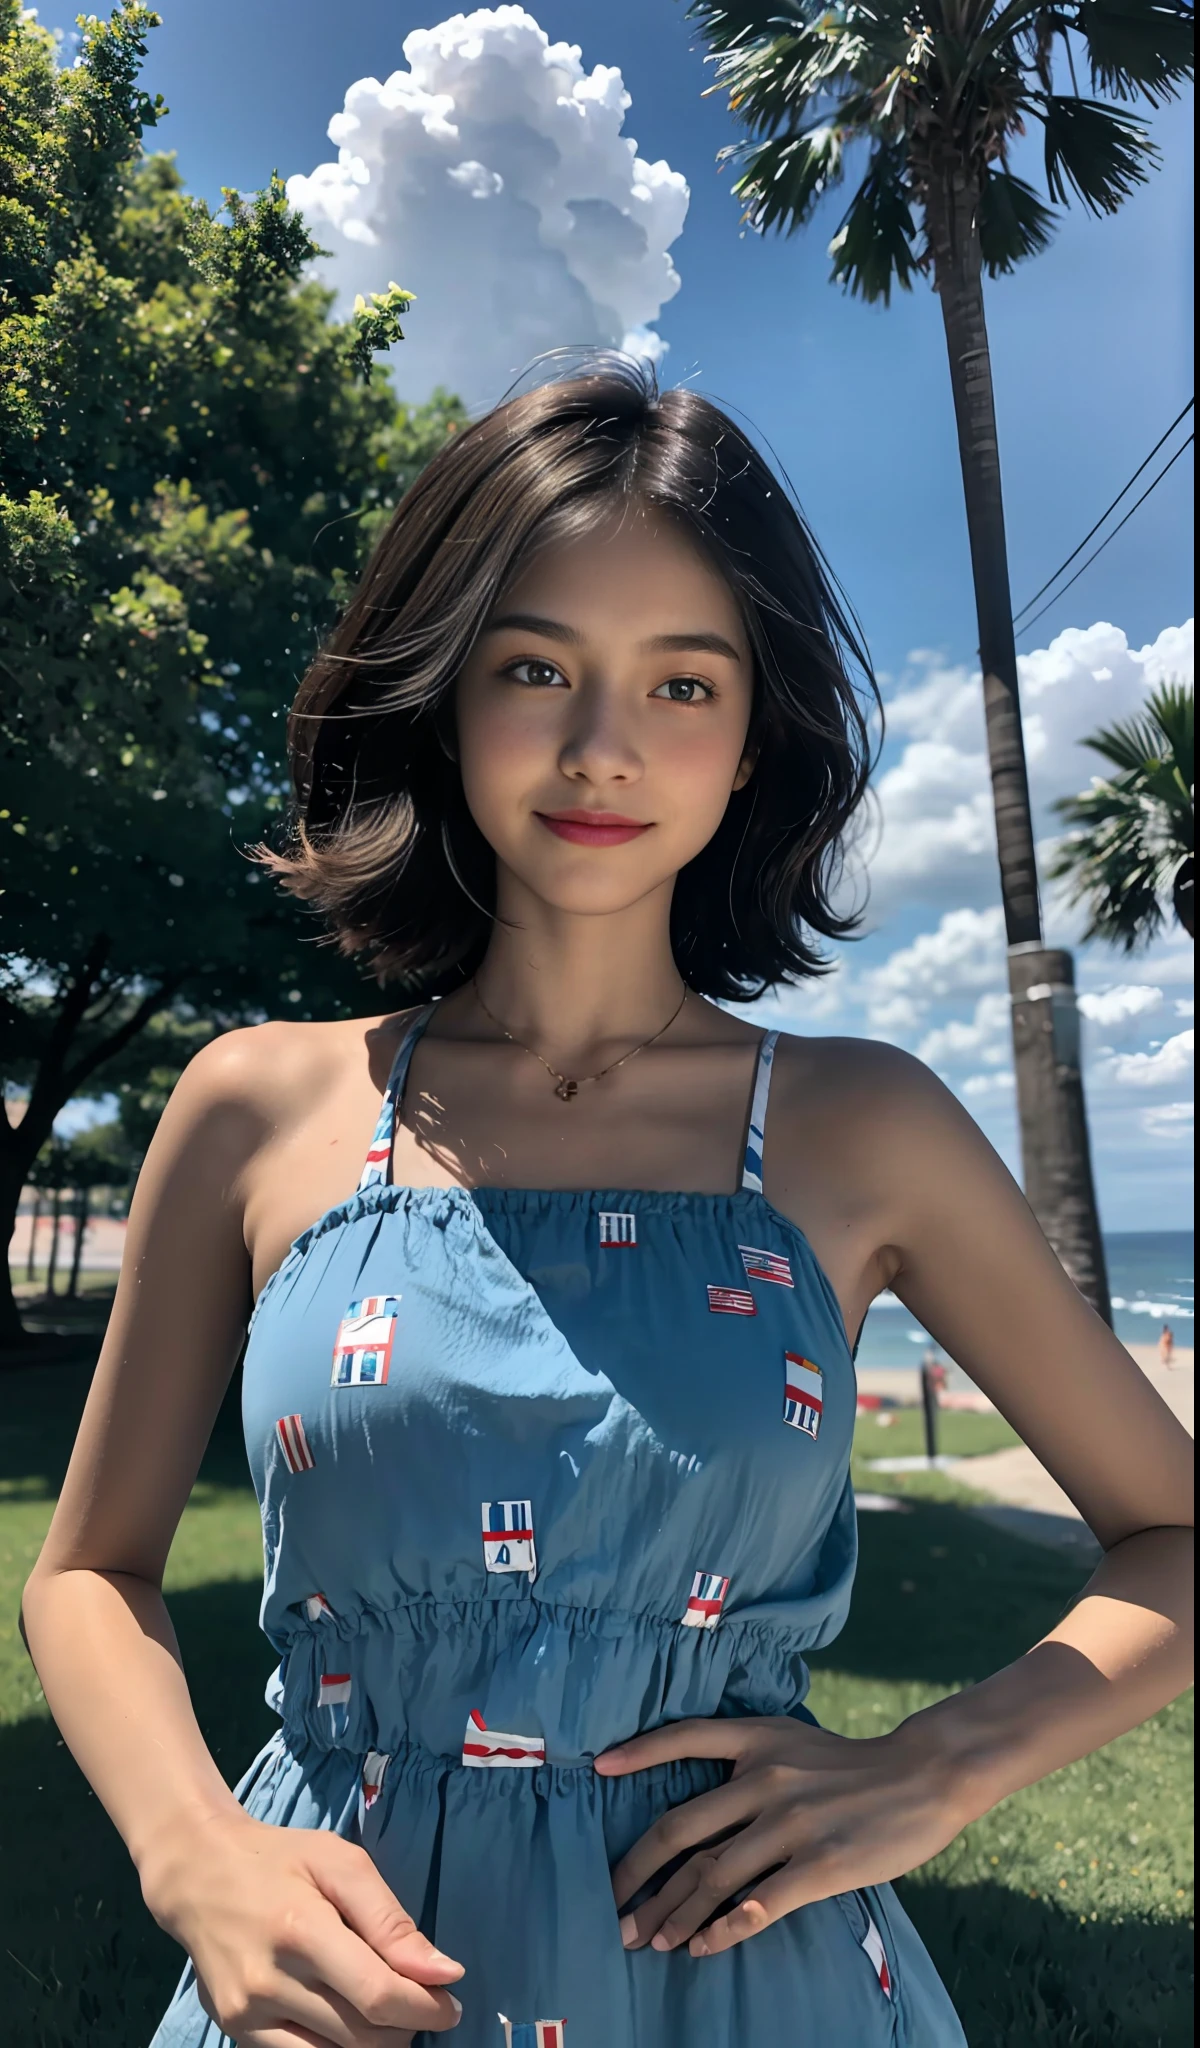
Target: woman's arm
(105, 1651)
(954, 1237)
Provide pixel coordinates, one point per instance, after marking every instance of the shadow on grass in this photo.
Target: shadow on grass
(40, 1407)
(944, 1597)
(82, 1965)
(1024, 1974)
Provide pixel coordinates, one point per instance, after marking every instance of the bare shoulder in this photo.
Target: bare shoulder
(250, 1086)
(856, 1079)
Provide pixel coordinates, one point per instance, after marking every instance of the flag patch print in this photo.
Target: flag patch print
(872, 1943)
(618, 1230)
(294, 1444)
(766, 1266)
(362, 1351)
(532, 2033)
(508, 1537)
(374, 1768)
(316, 1607)
(803, 1393)
(705, 1601)
(484, 1748)
(731, 1301)
(334, 1693)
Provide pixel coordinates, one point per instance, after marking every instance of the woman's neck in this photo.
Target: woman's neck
(576, 985)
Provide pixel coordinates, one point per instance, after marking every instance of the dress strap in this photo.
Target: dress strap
(752, 1167)
(378, 1165)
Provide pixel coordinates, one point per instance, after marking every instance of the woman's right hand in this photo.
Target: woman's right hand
(295, 1938)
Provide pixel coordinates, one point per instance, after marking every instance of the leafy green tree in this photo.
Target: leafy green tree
(192, 459)
(1134, 845)
(922, 104)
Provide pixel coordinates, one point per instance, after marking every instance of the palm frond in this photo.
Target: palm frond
(1138, 48)
(785, 177)
(1110, 867)
(1090, 150)
(1134, 830)
(1013, 222)
(875, 246)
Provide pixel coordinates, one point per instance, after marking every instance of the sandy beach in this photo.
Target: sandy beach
(1014, 1477)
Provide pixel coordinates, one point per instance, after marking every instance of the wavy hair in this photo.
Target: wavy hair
(382, 843)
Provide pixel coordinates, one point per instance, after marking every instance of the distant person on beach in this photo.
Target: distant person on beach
(1166, 1348)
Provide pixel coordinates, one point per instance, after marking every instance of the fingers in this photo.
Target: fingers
(778, 1894)
(706, 1882)
(694, 1821)
(719, 1738)
(351, 1882)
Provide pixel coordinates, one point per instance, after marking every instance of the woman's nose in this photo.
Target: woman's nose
(600, 745)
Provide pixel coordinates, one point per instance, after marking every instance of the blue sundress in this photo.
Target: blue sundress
(539, 1471)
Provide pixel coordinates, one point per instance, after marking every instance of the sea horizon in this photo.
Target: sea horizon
(1151, 1277)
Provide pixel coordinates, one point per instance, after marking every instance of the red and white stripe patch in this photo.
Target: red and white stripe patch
(374, 1770)
(705, 1600)
(294, 1444)
(872, 1943)
(484, 1747)
(316, 1606)
(731, 1301)
(335, 1689)
(760, 1265)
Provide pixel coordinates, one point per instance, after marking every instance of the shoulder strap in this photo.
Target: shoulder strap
(378, 1164)
(752, 1166)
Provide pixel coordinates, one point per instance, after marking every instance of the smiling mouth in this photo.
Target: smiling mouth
(591, 828)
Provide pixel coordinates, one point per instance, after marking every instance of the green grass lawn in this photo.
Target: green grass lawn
(1059, 1921)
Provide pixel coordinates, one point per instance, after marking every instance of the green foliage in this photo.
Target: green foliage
(934, 94)
(1135, 829)
(193, 464)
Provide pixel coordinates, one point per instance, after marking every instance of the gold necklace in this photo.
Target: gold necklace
(567, 1089)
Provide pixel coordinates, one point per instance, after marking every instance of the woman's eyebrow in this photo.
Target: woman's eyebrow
(532, 622)
(682, 643)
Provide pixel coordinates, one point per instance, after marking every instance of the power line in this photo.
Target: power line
(1104, 515)
(1112, 536)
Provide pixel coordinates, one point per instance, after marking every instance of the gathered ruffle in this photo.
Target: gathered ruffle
(583, 1679)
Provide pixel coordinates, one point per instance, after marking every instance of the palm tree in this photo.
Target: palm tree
(1137, 829)
(927, 98)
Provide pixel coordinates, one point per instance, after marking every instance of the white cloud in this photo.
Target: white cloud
(1167, 1066)
(1169, 1120)
(977, 1085)
(937, 841)
(987, 1037)
(1116, 1005)
(964, 956)
(492, 179)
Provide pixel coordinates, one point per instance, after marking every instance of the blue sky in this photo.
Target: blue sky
(1092, 360)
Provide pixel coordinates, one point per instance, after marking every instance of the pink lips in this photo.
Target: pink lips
(592, 828)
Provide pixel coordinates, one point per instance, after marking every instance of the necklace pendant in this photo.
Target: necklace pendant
(566, 1091)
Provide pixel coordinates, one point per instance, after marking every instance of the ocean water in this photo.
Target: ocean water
(1151, 1274)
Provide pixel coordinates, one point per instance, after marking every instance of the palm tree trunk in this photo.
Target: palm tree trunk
(1050, 1101)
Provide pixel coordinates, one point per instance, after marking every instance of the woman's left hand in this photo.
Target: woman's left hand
(805, 1814)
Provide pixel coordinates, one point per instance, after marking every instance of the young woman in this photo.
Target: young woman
(549, 1404)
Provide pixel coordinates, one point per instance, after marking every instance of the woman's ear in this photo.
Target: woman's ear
(746, 768)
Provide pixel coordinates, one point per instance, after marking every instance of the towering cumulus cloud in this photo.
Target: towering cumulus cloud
(492, 179)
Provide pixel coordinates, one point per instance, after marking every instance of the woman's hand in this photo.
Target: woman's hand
(295, 1938)
(819, 1813)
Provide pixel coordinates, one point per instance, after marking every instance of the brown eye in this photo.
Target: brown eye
(538, 675)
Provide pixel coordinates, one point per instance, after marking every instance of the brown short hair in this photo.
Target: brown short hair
(383, 844)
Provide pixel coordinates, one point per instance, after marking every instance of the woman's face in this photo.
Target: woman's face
(603, 714)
